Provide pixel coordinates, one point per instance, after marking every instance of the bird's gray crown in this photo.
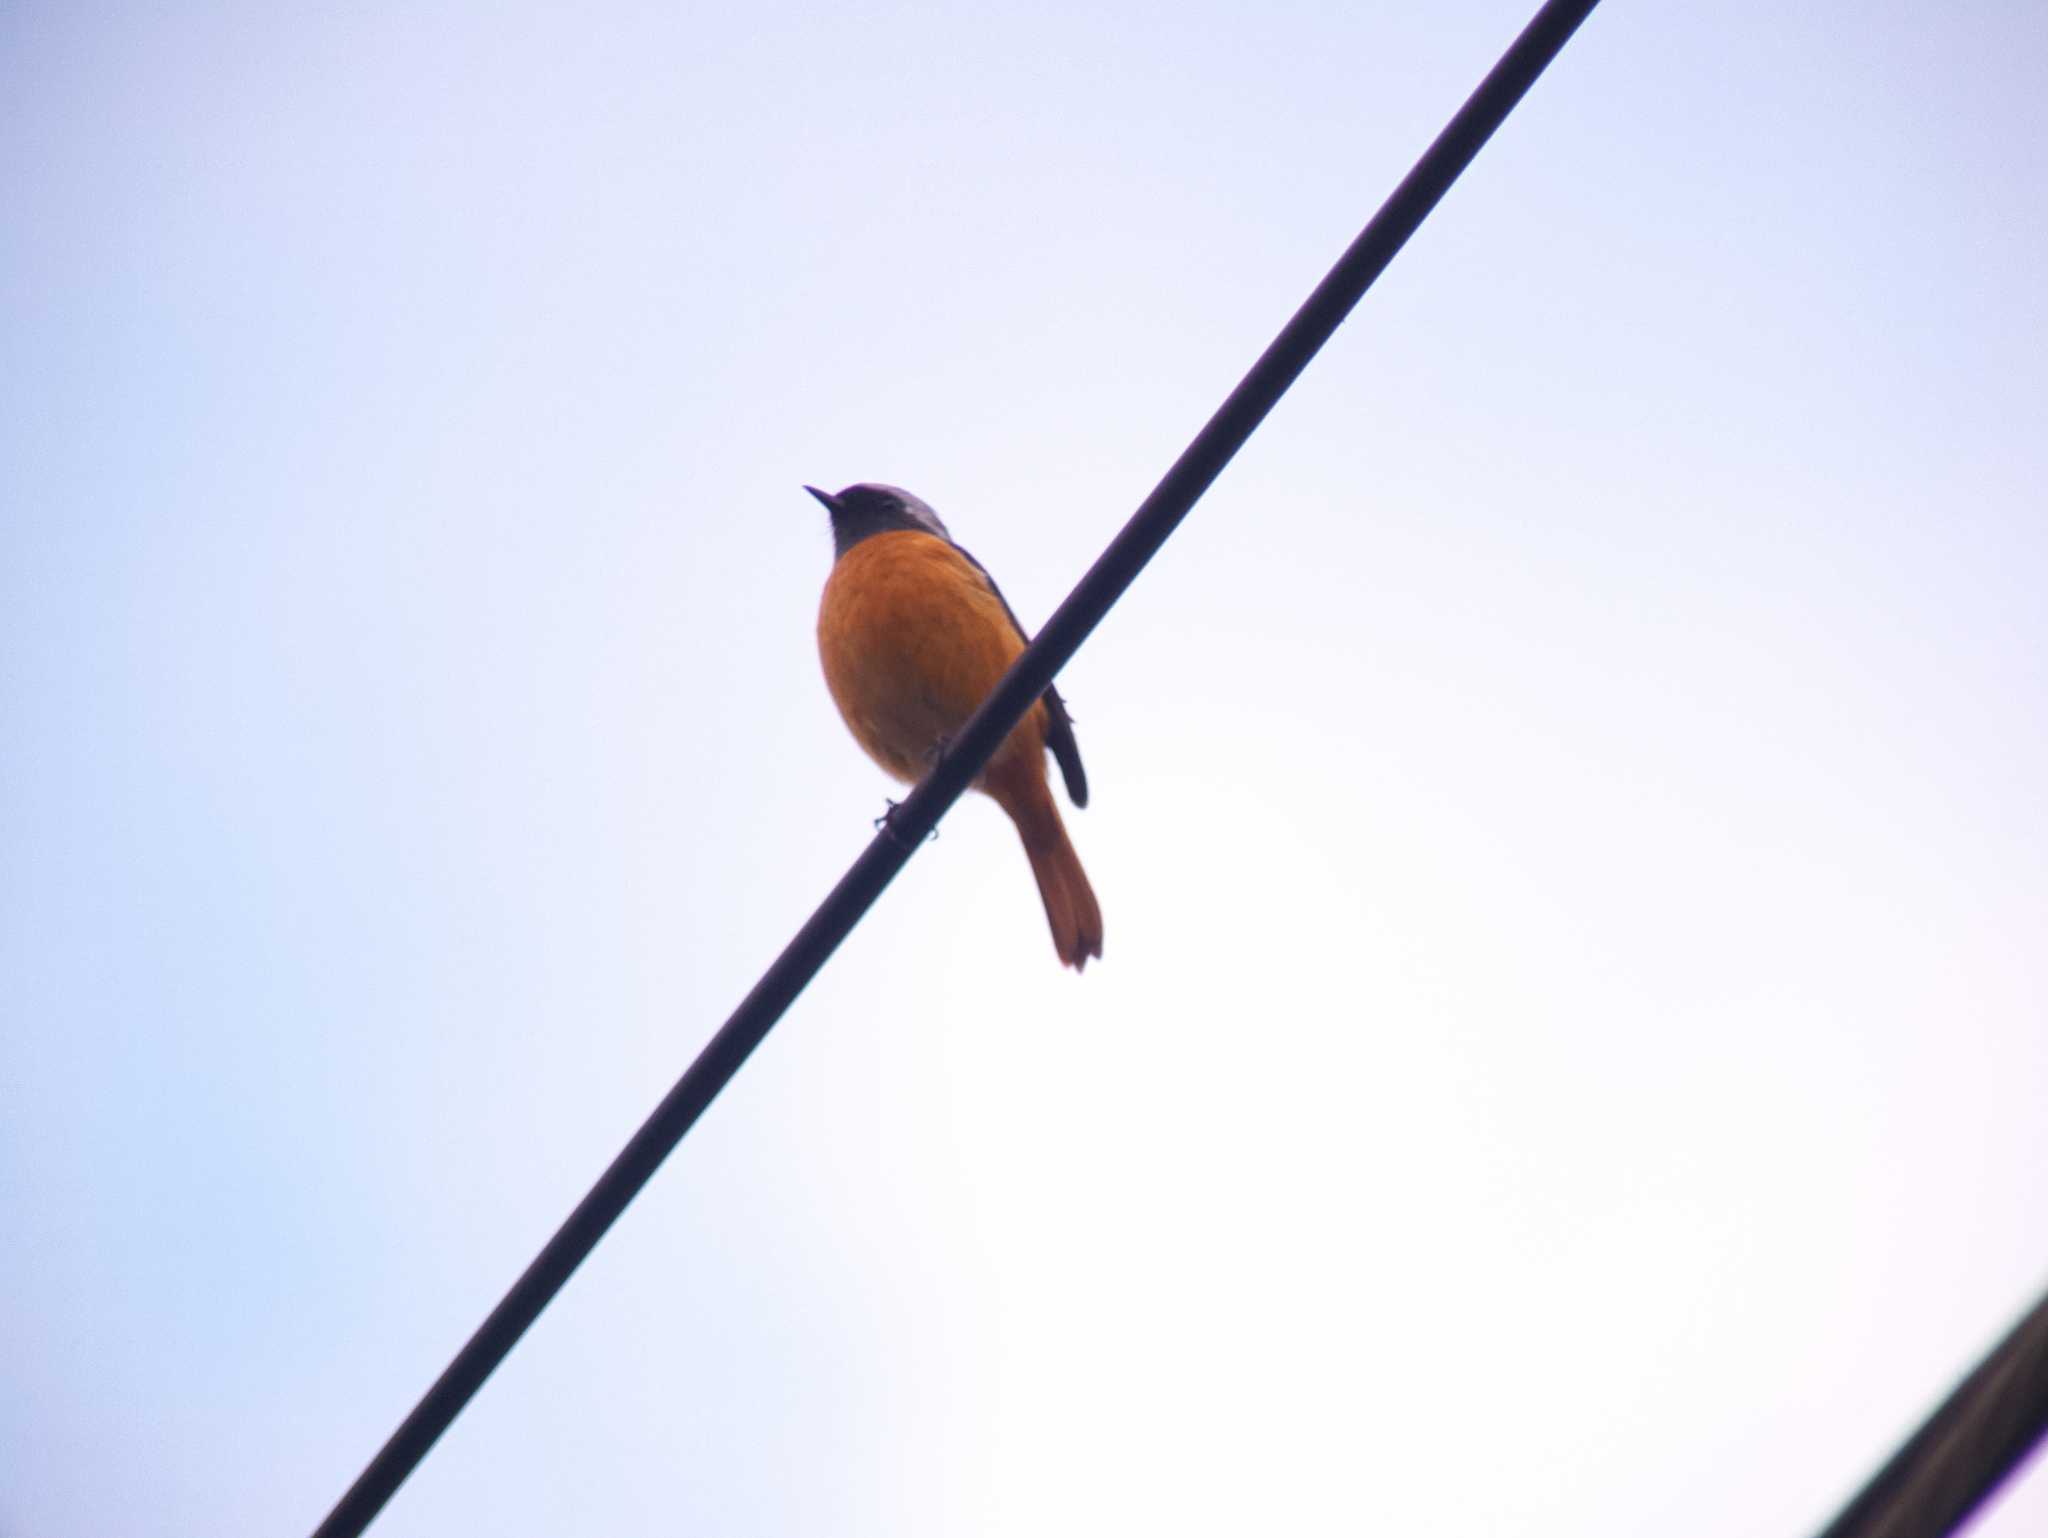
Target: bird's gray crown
(870, 507)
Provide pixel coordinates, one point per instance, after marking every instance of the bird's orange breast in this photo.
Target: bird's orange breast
(913, 639)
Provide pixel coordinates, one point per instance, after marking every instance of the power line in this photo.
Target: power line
(1977, 1436)
(1156, 518)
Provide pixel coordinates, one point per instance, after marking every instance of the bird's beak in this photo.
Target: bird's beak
(831, 502)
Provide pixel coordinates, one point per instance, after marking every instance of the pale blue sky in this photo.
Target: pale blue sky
(1569, 1053)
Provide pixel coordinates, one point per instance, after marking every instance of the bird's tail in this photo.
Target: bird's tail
(1070, 906)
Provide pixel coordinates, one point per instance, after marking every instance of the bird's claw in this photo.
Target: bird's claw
(888, 821)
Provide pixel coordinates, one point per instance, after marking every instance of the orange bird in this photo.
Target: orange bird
(914, 634)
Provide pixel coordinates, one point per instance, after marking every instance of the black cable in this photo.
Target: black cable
(1140, 539)
(1947, 1468)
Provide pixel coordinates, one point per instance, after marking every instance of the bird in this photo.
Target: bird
(914, 633)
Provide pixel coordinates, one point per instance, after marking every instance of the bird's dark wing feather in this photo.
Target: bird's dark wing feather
(1059, 726)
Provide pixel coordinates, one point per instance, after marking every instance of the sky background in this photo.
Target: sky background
(1569, 1056)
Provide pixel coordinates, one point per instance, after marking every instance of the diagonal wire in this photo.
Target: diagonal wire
(1156, 518)
(1971, 1442)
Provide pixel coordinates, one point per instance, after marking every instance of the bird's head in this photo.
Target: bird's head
(872, 508)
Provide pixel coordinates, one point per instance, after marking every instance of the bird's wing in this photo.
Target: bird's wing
(1059, 726)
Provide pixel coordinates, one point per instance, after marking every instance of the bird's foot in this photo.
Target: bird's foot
(888, 821)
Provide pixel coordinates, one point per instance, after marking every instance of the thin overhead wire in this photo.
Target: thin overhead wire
(1961, 1453)
(1156, 518)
